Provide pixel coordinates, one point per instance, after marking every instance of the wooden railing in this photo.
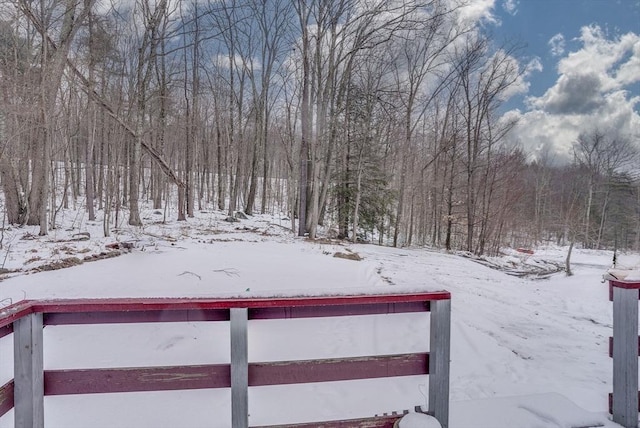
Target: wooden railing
(31, 383)
(624, 349)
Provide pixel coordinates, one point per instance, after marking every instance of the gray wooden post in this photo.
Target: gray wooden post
(28, 375)
(625, 357)
(440, 348)
(239, 369)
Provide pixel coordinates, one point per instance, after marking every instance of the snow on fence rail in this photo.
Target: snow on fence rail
(624, 348)
(26, 320)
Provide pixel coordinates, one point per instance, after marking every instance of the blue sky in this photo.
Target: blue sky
(589, 52)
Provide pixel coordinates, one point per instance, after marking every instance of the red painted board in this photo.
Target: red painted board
(167, 304)
(625, 285)
(377, 422)
(337, 310)
(93, 381)
(10, 313)
(6, 397)
(336, 369)
(191, 315)
(6, 330)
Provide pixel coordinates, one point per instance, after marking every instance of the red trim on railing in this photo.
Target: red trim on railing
(96, 311)
(189, 315)
(16, 311)
(376, 422)
(625, 285)
(95, 381)
(135, 379)
(338, 310)
(6, 330)
(261, 307)
(170, 304)
(6, 397)
(336, 369)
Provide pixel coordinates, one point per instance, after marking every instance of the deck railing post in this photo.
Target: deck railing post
(439, 352)
(239, 368)
(28, 372)
(625, 357)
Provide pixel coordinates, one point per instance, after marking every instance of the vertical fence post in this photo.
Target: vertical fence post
(28, 390)
(440, 348)
(625, 357)
(239, 368)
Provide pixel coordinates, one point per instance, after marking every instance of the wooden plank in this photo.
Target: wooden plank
(625, 285)
(376, 422)
(189, 315)
(337, 369)
(440, 342)
(337, 310)
(16, 311)
(96, 381)
(6, 330)
(6, 397)
(611, 402)
(611, 346)
(239, 368)
(171, 304)
(28, 372)
(625, 356)
(135, 379)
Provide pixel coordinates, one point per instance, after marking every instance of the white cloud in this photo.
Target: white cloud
(534, 65)
(475, 11)
(592, 90)
(510, 6)
(556, 43)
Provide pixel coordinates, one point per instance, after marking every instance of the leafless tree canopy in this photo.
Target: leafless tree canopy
(362, 120)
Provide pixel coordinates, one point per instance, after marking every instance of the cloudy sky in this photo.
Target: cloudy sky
(587, 68)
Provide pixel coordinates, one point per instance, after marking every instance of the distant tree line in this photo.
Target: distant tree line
(374, 119)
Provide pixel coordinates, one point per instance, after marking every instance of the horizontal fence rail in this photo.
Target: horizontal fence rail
(25, 320)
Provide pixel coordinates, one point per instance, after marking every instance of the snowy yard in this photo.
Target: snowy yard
(525, 353)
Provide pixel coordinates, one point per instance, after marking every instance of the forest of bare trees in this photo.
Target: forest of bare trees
(369, 120)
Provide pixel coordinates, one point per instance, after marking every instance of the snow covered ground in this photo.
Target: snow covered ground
(525, 353)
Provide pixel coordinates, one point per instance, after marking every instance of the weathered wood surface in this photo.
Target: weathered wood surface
(611, 402)
(101, 380)
(376, 422)
(94, 381)
(611, 346)
(28, 381)
(11, 313)
(135, 379)
(336, 369)
(169, 304)
(6, 397)
(624, 285)
(337, 310)
(189, 315)
(440, 342)
(239, 368)
(625, 356)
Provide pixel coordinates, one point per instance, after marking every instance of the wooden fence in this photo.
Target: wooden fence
(31, 383)
(624, 348)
